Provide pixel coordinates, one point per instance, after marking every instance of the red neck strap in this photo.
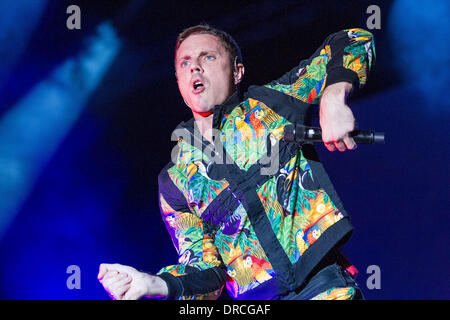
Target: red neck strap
(204, 114)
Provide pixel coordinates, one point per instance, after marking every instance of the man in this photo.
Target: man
(272, 235)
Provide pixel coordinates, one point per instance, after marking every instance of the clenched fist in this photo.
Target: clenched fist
(126, 283)
(336, 118)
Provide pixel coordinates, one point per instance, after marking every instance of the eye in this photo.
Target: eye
(209, 57)
(184, 63)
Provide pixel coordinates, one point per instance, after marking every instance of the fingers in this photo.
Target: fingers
(340, 145)
(120, 286)
(117, 267)
(350, 144)
(103, 269)
(347, 143)
(121, 291)
(108, 279)
(330, 146)
(106, 267)
(114, 278)
(116, 284)
(118, 281)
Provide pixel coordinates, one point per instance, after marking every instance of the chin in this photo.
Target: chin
(203, 108)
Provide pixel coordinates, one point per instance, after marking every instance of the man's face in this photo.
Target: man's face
(204, 73)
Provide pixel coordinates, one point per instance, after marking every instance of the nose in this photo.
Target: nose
(196, 66)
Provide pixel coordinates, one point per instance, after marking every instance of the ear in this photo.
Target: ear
(238, 73)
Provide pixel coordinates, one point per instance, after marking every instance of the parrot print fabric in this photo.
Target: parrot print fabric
(357, 56)
(298, 216)
(246, 129)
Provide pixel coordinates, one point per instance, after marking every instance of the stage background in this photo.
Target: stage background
(86, 118)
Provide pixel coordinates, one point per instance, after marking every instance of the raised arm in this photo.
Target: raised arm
(344, 56)
(338, 67)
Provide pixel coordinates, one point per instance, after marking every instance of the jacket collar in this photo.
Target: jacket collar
(222, 109)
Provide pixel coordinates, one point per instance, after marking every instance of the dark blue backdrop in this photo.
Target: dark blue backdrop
(86, 118)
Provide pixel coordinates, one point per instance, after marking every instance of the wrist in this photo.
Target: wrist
(333, 100)
(156, 287)
(337, 91)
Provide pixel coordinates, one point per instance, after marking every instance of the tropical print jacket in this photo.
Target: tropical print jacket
(237, 219)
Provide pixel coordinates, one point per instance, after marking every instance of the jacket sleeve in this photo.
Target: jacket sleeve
(199, 273)
(348, 55)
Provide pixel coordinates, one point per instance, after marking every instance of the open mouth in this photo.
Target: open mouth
(198, 86)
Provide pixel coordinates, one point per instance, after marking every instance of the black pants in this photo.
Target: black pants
(331, 276)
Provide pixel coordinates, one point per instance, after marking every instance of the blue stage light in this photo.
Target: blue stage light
(18, 20)
(419, 37)
(32, 130)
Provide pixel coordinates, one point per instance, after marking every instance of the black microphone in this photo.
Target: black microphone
(300, 133)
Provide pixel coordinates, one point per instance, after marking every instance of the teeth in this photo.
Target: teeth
(197, 83)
